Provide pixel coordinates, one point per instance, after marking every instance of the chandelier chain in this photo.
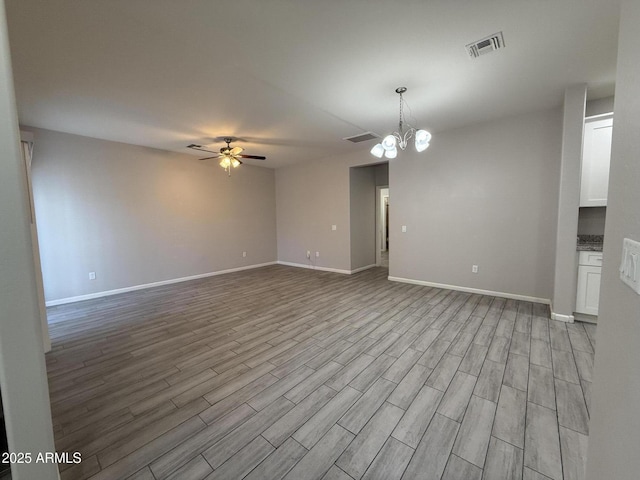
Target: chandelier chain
(401, 113)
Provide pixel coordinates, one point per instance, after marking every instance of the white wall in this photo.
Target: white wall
(614, 431)
(362, 205)
(23, 378)
(484, 195)
(136, 215)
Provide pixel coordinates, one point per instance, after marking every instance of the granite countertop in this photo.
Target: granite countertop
(590, 243)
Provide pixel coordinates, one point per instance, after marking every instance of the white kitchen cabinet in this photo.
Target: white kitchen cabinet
(596, 156)
(588, 291)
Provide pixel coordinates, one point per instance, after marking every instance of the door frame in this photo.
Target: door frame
(379, 232)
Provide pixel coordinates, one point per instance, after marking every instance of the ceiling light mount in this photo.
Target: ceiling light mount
(389, 144)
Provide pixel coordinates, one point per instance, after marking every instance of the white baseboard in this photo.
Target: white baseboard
(512, 296)
(362, 269)
(91, 296)
(325, 269)
(562, 318)
(585, 317)
(314, 267)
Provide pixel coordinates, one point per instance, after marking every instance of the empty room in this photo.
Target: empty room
(319, 240)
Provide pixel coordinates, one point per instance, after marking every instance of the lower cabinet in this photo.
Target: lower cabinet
(588, 291)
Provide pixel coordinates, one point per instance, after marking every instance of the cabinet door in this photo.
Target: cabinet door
(596, 156)
(588, 294)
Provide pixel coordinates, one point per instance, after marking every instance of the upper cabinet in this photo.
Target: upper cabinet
(596, 156)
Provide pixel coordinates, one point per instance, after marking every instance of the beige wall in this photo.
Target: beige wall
(614, 432)
(136, 215)
(485, 195)
(23, 378)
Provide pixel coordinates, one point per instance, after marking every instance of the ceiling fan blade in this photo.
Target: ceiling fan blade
(254, 157)
(236, 150)
(193, 146)
(209, 158)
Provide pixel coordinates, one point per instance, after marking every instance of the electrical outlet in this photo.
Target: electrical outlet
(244, 254)
(404, 229)
(92, 275)
(317, 254)
(334, 227)
(308, 254)
(474, 269)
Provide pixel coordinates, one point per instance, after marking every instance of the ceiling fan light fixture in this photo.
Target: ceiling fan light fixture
(377, 150)
(235, 162)
(225, 162)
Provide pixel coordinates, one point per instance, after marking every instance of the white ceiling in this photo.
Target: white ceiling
(293, 77)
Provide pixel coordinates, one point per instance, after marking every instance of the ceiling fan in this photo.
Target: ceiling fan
(229, 157)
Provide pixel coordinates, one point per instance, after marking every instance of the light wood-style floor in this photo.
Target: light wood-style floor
(290, 373)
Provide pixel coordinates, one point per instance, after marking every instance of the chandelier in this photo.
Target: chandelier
(389, 145)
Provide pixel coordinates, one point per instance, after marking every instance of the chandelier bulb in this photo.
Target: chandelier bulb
(389, 142)
(377, 150)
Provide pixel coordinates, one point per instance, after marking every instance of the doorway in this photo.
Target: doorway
(382, 226)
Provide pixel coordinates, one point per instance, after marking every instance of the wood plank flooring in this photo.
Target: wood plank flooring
(289, 373)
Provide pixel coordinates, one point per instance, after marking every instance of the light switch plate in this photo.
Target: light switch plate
(630, 264)
(404, 229)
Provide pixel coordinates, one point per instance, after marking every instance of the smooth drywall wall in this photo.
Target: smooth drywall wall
(599, 106)
(310, 198)
(591, 220)
(382, 174)
(362, 206)
(135, 215)
(482, 195)
(23, 376)
(564, 283)
(614, 431)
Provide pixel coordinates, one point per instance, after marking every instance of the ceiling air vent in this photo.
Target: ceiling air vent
(362, 137)
(486, 45)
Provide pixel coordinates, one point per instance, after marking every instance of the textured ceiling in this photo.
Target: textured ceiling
(293, 77)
